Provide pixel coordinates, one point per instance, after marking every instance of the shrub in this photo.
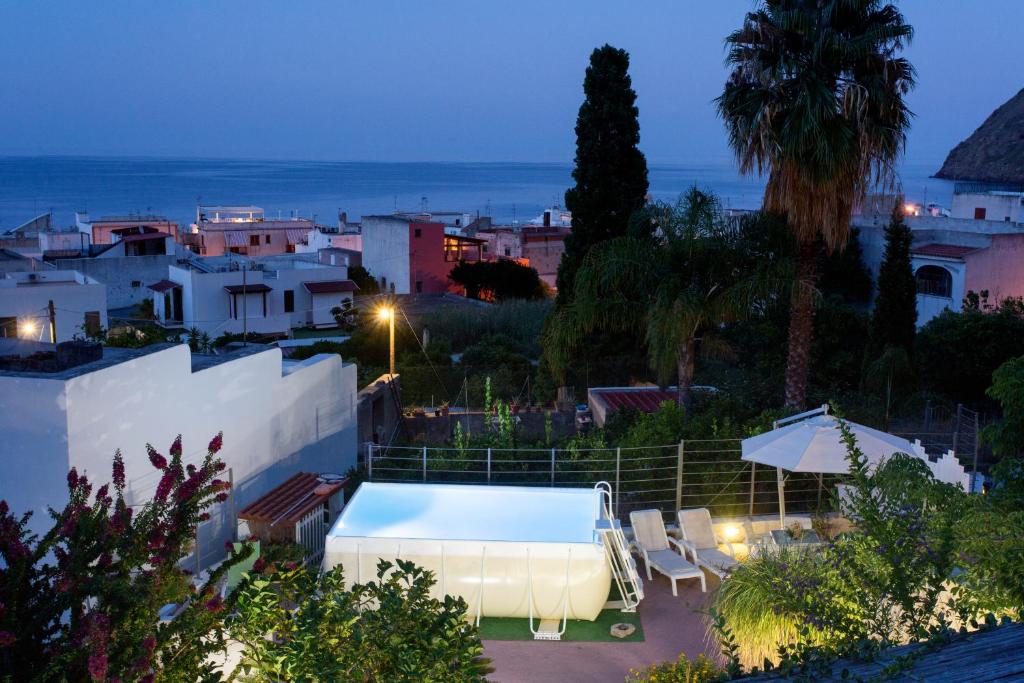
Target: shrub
(82, 602)
(385, 630)
(682, 670)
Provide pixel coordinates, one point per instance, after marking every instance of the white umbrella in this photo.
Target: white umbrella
(812, 442)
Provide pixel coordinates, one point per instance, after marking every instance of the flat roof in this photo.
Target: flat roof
(256, 288)
(330, 286)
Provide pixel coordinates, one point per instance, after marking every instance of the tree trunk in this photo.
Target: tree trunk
(801, 326)
(684, 368)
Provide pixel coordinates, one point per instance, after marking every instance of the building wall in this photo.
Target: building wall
(998, 269)
(71, 299)
(206, 305)
(998, 207)
(126, 278)
(275, 422)
(214, 242)
(103, 232)
(428, 271)
(34, 447)
(386, 251)
(544, 254)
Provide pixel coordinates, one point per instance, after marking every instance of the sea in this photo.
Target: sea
(512, 193)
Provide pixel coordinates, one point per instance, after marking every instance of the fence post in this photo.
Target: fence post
(369, 461)
(552, 466)
(618, 466)
(680, 451)
(488, 465)
(231, 498)
(424, 463)
(753, 469)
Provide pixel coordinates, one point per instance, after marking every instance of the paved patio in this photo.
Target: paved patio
(670, 626)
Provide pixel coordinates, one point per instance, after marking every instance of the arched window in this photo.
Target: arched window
(934, 280)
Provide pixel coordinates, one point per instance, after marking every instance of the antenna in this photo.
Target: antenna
(423, 204)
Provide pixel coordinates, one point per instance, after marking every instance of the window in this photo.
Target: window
(9, 326)
(254, 240)
(979, 213)
(417, 232)
(267, 239)
(289, 301)
(935, 281)
(508, 252)
(92, 323)
(136, 283)
(419, 286)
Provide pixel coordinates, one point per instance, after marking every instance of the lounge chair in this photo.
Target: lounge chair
(700, 539)
(655, 546)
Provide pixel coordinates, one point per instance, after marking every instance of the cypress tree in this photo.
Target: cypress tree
(610, 172)
(894, 320)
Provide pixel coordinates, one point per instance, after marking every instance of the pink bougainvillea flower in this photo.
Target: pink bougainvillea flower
(159, 461)
(215, 443)
(98, 666)
(118, 470)
(176, 446)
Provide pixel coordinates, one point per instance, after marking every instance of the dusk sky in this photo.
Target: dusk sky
(409, 81)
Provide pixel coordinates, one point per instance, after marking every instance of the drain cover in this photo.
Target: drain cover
(623, 630)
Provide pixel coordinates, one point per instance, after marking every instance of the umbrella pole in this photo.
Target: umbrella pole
(782, 497)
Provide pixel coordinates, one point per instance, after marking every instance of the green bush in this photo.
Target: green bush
(682, 670)
(390, 629)
(464, 326)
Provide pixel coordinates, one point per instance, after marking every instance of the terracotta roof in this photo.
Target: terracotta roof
(248, 289)
(289, 502)
(163, 286)
(330, 286)
(647, 400)
(943, 250)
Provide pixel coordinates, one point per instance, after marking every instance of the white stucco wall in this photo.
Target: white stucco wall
(1004, 206)
(72, 294)
(386, 250)
(928, 305)
(277, 418)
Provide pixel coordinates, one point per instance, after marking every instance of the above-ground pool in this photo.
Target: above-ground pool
(497, 547)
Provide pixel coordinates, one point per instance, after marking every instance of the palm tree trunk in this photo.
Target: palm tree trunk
(801, 326)
(684, 368)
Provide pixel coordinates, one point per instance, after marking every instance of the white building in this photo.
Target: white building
(79, 302)
(278, 417)
(268, 296)
(988, 205)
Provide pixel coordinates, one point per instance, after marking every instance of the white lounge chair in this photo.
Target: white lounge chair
(700, 539)
(655, 546)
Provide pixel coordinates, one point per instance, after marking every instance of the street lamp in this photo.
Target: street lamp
(28, 328)
(388, 314)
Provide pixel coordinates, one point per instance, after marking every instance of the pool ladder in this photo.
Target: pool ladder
(623, 566)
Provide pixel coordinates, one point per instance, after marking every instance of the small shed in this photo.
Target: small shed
(301, 510)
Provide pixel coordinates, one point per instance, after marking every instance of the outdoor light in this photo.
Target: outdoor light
(28, 328)
(731, 533)
(384, 313)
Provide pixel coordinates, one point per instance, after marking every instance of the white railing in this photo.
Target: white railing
(623, 566)
(311, 534)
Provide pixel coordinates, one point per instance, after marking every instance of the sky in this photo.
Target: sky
(444, 80)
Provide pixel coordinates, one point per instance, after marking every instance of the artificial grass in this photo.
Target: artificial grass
(597, 631)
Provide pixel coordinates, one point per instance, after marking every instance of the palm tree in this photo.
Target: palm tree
(675, 285)
(816, 100)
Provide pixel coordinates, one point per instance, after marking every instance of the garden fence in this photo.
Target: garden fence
(690, 474)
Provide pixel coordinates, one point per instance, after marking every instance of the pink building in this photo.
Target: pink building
(110, 229)
(244, 230)
(945, 273)
(543, 249)
(411, 257)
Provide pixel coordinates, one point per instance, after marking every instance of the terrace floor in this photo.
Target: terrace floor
(671, 625)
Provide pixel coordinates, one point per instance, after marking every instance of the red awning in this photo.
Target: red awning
(164, 285)
(296, 235)
(236, 238)
(330, 287)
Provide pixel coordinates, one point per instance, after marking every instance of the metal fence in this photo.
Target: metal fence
(690, 474)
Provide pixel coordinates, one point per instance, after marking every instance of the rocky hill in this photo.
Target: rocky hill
(995, 152)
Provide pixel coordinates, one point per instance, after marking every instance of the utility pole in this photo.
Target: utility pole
(245, 311)
(391, 343)
(53, 322)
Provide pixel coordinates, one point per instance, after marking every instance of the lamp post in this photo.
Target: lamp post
(388, 314)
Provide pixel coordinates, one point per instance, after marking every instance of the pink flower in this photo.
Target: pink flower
(258, 565)
(291, 566)
(73, 478)
(176, 446)
(159, 461)
(6, 638)
(205, 517)
(216, 443)
(221, 497)
(98, 666)
(149, 643)
(164, 487)
(101, 492)
(118, 470)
